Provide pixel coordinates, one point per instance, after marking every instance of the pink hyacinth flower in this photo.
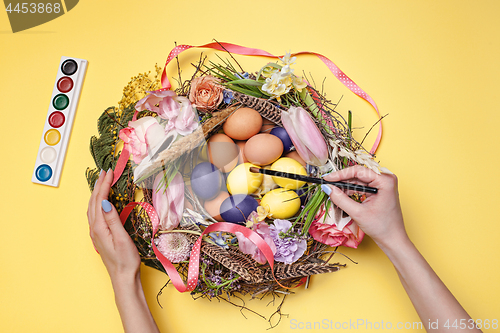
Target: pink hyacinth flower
(305, 136)
(169, 202)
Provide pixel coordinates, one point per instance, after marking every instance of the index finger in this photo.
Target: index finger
(355, 172)
(91, 207)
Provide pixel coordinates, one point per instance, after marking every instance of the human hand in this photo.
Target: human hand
(379, 215)
(117, 250)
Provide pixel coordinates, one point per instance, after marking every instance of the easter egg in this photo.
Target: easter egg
(282, 203)
(241, 156)
(222, 151)
(267, 126)
(236, 208)
(302, 193)
(289, 165)
(206, 180)
(213, 206)
(243, 124)
(293, 154)
(263, 149)
(242, 181)
(282, 134)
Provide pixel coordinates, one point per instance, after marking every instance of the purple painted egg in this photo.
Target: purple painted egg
(236, 208)
(281, 133)
(302, 193)
(206, 180)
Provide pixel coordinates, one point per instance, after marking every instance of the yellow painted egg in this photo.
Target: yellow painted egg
(242, 181)
(287, 164)
(282, 203)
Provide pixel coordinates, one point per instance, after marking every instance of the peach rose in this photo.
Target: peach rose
(206, 93)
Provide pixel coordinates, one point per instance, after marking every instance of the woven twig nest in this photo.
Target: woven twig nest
(225, 269)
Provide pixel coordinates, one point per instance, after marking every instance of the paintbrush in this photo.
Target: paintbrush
(342, 185)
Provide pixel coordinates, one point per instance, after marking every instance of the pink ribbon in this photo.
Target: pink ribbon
(237, 49)
(194, 259)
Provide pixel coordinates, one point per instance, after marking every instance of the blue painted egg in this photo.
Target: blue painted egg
(281, 133)
(206, 180)
(236, 208)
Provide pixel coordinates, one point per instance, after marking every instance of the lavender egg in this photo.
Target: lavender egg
(281, 133)
(206, 180)
(236, 208)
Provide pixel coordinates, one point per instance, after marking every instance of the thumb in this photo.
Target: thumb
(112, 218)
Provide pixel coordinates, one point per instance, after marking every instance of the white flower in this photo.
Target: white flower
(275, 86)
(288, 59)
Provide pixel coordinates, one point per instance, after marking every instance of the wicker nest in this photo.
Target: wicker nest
(224, 271)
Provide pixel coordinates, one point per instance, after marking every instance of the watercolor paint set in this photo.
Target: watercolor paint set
(59, 121)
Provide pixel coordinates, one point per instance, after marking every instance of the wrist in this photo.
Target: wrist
(126, 282)
(392, 245)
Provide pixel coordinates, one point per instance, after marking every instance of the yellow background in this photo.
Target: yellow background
(433, 66)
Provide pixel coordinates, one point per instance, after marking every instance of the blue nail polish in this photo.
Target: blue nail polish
(325, 188)
(106, 206)
(100, 173)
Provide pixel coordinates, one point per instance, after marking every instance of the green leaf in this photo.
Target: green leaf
(247, 82)
(245, 91)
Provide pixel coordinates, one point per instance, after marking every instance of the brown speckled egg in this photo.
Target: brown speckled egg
(213, 206)
(263, 149)
(243, 124)
(222, 151)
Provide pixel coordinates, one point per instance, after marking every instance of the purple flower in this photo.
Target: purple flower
(219, 239)
(242, 75)
(288, 250)
(228, 96)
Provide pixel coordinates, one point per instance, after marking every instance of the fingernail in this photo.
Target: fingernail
(108, 170)
(106, 206)
(100, 173)
(329, 173)
(325, 188)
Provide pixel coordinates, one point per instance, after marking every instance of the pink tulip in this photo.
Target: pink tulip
(169, 202)
(153, 98)
(142, 135)
(305, 136)
(176, 109)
